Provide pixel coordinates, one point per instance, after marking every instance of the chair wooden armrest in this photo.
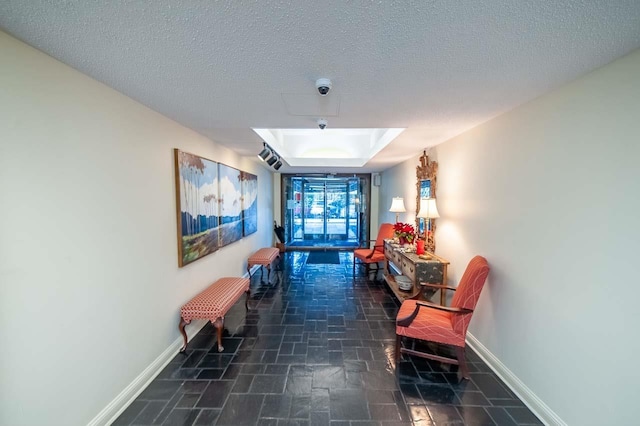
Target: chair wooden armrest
(373, 250)
(367, 245)
(455, 310)
(406, 321)
(441, 286)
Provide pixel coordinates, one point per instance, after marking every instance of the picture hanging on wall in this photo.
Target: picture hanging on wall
(197, 190)
(249, 203)
(230, 205)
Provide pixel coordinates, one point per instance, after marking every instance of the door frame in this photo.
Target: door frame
(365, 191)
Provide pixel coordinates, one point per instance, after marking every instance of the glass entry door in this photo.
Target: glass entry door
(323, 211)
(324, 217)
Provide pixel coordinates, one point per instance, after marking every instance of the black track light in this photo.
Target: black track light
(269, 156)
(265, 152)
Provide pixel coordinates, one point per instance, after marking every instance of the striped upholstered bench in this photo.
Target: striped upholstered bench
(212, 304)
(263, 257)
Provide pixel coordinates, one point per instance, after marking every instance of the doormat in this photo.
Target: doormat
(323, 258)
(332, 244)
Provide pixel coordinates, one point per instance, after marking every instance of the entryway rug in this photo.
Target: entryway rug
(323, 258)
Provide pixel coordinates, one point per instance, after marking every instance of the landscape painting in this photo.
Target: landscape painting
(249, 203)
(197, 190)
(230, 204)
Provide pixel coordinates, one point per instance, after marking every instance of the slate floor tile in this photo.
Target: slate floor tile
(300, 407)
(384, 412)
(320, 418)
(193, 386)
(268, 384)
(473, 398)
(491, 386)
(215, 394)
(317, 349)
(188, 400)
(500, 416)
(160, 390)
(193, 359)
(420, 414)
(346, 404)
(210, 374)
(241, 409)
(276, 406)
(320, 400)
(475, 416)
(130, 413)
(181, 417)
(207, 417)
(444, 414)
(523, 416)
(149, 414)
(297, 385)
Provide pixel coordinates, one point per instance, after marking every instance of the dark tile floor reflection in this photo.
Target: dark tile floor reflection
(317, 349)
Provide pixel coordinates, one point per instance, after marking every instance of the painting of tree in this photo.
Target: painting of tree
(230, 204)
(197, 190)
(249, 203)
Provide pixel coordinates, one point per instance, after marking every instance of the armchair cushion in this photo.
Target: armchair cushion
(431, 324)
(368, 255)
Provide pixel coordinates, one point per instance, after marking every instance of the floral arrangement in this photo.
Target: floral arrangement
(404, 231)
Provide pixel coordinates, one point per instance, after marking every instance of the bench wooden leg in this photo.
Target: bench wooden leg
(219, 325)
(181, 327)
(246, 299)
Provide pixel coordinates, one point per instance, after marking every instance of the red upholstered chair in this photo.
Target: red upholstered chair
(371, 256)
(442, 324)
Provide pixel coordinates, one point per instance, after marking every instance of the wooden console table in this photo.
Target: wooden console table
(432, 271)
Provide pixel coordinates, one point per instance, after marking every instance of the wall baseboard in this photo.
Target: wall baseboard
(530, 399)
(111, 412)
(120, 403)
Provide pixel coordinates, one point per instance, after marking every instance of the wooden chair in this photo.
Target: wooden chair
(372, 256)
(442, 324)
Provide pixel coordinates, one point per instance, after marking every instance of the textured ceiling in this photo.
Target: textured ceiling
(435, 67)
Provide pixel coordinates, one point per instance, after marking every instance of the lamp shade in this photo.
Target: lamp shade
(428, 208)
(397, 205)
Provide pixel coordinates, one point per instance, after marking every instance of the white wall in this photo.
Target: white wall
(400, 181)
(374, 211)
(549, 194)
(90, 284)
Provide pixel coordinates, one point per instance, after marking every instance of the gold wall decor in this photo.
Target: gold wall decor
(426, 182)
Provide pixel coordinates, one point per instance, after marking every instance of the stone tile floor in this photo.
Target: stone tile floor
(316, 348)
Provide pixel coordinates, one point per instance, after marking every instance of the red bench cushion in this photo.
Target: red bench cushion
(264, 256)
(214, 302)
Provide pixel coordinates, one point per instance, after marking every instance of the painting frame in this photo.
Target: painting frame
(249, 183)
(230, 201)
(197, 210)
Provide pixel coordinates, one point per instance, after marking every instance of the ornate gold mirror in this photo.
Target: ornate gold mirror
(425, 189)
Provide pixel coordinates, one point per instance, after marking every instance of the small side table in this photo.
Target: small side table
(427, 268)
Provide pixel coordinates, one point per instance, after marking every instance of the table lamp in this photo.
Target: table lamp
(397, 207)
(428, 211)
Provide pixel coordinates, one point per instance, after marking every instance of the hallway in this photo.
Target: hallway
(316, 348)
